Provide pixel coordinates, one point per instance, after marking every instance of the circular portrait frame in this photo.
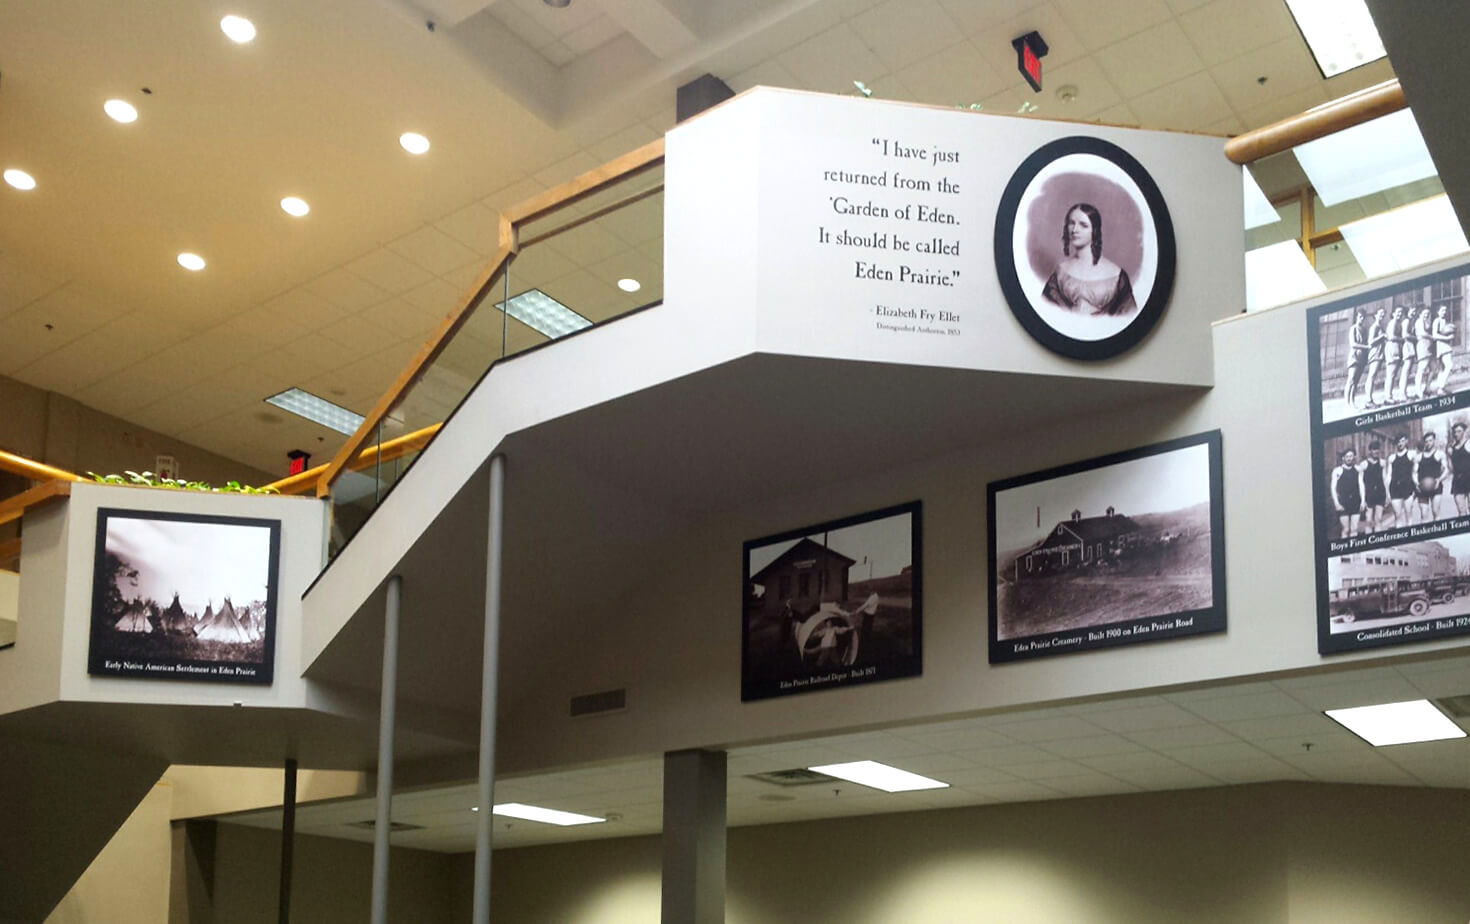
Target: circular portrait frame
(1040, 201)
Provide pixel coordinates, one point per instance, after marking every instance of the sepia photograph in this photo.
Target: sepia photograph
(184, 597)
(834, 604)
(1400, 592)
(1120, 549)
(1084, 248)
(1401, 350)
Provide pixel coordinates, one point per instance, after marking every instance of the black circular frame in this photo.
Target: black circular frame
(1005, 262)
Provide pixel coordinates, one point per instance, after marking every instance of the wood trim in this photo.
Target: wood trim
(305, 482)
(1326, 119)
(36, 471)
(417, 366)
(594, 215)
(594, 180)
(10, 551)
(13, 508)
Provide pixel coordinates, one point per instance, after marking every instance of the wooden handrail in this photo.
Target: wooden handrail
(12, 508)
(306, 482)
(589, 183)
(36, 471)
(1324, 120)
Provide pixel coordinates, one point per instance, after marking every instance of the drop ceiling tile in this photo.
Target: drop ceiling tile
(301, 310)
(891, 88)
(937, 764)
(1006, 756)
(359, 335)
(1336, 739)
(1046, 769)
(1282, 726)
(1230, 126)
(587, 244)
(1206, 756)
(1357, 693)
(591, 35)
(522, 25)
(466, 276)
(514, 194)
(1227, 29)
(1089, 784)
(875, 745)
(567, 169)
(961, 738)
(1360, 78)
(400, 318)
(435, 251)
(97, 355)
(557, 53)
(346, 290)
(1185, 736)
(901, 32)
(1139, 762)
(1191, 104)
(1282, 107)
(434, 299)
(389, 271)
(1454, 681)
(19, 286)
(1286, 65)
(1099, 25)
(1049, 729)
(1169, 778)
(955, 75)
(621, 142)
(1144, 718)
(315, 352)
(277, 331)
(1250, 706)
(1016, 792)
(1184, 6)
(1095, 746)
(976, 16)
(1258, 770)
(1120, 115)
(1152, 58)
(832, 60)
(768, 73)
(1094, 93)
(1430, 752)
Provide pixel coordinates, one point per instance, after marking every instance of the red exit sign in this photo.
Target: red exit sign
(1030, 49)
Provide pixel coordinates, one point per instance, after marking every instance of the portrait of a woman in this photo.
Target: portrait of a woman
(1084, 280)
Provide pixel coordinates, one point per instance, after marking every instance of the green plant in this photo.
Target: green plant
(150, 480)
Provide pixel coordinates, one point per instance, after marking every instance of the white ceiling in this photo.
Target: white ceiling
(515, 97)
(1216, 736)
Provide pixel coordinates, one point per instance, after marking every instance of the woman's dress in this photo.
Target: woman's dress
(1112, 296)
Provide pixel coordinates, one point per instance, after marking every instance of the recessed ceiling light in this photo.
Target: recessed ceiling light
(293, 205)
(315, 408)
(545, 815)
(557, 4)
(20, 179)
(541, 312)
(120, 111)
(1340, 33)
(191, 261)
(879, 776)
(629, 285)
(413, 142)
(1397, 723)
(238, 28)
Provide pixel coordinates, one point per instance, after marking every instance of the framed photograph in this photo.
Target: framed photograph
(184, 597)
(1084, 248)
(833, 605)
(1389, 379)
(1115, 550)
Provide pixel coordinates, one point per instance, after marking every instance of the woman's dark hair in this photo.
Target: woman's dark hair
(1094, 216)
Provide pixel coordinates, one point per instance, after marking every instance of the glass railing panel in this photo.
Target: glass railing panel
(1371, 219)
(584, 264)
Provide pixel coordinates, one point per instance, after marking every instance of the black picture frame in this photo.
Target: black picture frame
(1152, 559)
(154, 639)
(1392, 577)
(830, 632)
(1031, 308)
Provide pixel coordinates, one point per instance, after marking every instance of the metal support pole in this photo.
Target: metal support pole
(383, 825)
(694, 838)
(489, 678)
(288, 839)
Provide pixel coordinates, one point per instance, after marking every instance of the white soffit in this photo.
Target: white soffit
(1279, 274)
(1403, 237)
(1367, 158)
(1258, 209)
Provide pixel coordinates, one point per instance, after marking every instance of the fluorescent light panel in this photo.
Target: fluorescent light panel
(1405, 237)
(541, 312)
(1397, 723)
(879, 776)
(320, 410)
(1279, 274)
(1380, 154)
(1340, 33)
(544, 815)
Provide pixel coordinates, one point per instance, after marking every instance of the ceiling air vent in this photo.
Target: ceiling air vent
(797, 777)
(371, 825)
(1457, 706)
(599, 703)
